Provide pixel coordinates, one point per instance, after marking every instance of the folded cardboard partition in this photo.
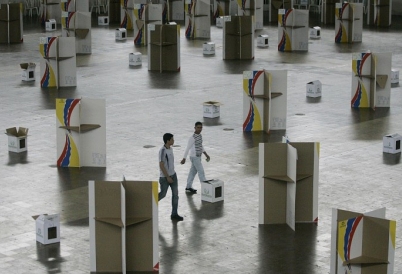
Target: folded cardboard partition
(127, 14)
(197, 19)
(264, 100)
(11, 24)
(123, 224)
(17, 139)
(362, 243)
(379, 13)
(293, 30)
(328, 11)
(275, 6)
(252, 8)
(78, 24)
(51, 9)
(288, 186)
(164, 47)
(58, 65)
(371, 80)
(348, 22)
(175, 10)
(47, 228)
(238, 37)
(81, 132)
(146, 14)
(74, 5)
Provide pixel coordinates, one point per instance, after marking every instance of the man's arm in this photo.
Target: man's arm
(190, 143)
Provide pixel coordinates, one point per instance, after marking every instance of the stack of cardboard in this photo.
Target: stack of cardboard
(264, 100)
(252, 8)
(379, 13)
(362, 243)
(371, 80)
(78, 24)
(58, 65)
(288, 184)
(238, 37)
(348, 22)
(145, 14)
(293, 30)
(164, 47)
(123, 224)
(197, 19)
(50, 9)
(81, 132)
(11, 24)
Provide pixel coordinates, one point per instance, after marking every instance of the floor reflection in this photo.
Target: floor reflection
(17, 158)
(391, 159)
(283, 250)
(253, 138)
(71, 178)
(49, 255)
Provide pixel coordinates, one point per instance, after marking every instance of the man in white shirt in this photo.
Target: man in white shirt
(195, 150)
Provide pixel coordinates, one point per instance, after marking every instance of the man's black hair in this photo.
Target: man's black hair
(198, 124)
(167, 137)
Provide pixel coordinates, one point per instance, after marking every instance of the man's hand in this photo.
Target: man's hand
(183, 161)
(169, 179)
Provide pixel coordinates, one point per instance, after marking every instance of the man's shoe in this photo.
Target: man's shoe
(191, 190)
(176, 217)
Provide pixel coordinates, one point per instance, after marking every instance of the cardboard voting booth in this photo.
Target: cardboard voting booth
(275, 6)
(11, 23)
(379, 12)
(135, 59)
(175, 10)
(146, 14)
(392, 143)
(197, 19)
(238, 38)
(211, 109)
(51, 9)
(371, 83)
(78, 24)
(58, 65)
(164, 47)
(47, 228)
(123, 226)
(328, 11)
(288, 183)
(314, 89)
(252, 8)
(348, 22)
(81, 132)
(17, 139)
(264, 100)
(28, 71)
(212, 191)
(293, 30)
(362, 243)
(127, 16)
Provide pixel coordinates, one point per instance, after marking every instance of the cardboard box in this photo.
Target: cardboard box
(219, 21)
(313, 89)
(211, 109)
(47, 228)
(392, 143)
(262, 41)
(208, 48)
(135, 59)
(17, 139)
(51, 25)
(103, 20)
(28, 71)
(315, 33)
(394, 76)
(121, 34)
(212, 191)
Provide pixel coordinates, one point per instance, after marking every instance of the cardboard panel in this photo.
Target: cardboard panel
(238, 36)
(275, 197)
(383, 61)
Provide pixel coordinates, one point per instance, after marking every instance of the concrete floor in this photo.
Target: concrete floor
(141, 106)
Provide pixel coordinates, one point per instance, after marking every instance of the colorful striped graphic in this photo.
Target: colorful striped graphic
(49, 77)
(253, 118)
(69, 157)
(139, 38)
(361, 96)
(65, 21)
(189, 29)
(342, 35)
(44, 48)
(285, 44)
(346, 231)
(65, 5)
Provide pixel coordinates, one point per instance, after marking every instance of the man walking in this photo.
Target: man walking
(195, 149)
(168, 175)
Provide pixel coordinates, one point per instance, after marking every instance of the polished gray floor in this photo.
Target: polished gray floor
(141, 106)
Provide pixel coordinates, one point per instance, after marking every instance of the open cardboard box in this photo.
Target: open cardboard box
(17, 139)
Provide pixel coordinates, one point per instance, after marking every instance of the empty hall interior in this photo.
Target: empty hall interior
(354, 176)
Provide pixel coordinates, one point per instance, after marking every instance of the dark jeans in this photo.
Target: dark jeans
(175, 191)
